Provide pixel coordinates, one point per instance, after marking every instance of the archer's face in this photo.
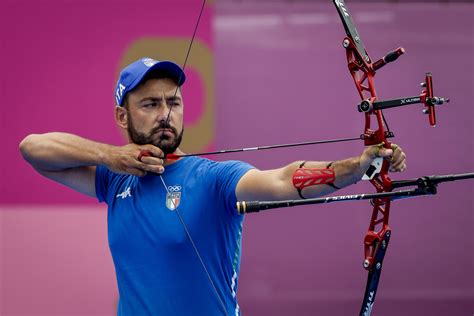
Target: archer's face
(147, 115)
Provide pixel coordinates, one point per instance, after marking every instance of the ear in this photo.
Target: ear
(121, 117)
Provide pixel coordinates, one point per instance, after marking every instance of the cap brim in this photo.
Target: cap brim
(167, 67)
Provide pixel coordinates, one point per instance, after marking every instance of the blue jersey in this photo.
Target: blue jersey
(158, 271)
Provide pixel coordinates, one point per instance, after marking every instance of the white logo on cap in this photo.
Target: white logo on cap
(149, 62)
(119, 92)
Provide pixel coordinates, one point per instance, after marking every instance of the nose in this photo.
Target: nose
(165, 114)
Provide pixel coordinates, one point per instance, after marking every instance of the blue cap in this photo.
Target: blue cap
(133, 74)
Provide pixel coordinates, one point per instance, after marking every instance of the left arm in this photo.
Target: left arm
(276, 184)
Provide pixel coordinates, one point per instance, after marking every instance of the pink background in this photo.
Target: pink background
(61, 61)
(280, 77)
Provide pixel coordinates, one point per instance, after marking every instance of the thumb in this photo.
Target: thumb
(385, 152)
(380, 151)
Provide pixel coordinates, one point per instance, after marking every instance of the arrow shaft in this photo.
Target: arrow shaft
(299, 144)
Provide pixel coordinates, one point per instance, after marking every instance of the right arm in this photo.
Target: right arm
(71, 160)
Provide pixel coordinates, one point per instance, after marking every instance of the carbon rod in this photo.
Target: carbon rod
(257, 206)
(426, 186)
(432, 180)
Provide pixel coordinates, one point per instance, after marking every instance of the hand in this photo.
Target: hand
(128, 160)
(396, 156)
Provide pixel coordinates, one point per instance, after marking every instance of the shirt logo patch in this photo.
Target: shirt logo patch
(173, 197)
(124, 194)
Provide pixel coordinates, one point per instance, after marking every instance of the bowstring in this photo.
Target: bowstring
(185, 62)
(185, 227)
(196, 251)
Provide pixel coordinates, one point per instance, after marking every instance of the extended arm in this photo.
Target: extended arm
(277, 184)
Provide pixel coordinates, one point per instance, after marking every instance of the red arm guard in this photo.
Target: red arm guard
(305, 177)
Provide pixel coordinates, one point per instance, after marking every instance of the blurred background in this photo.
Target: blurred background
(259, 73)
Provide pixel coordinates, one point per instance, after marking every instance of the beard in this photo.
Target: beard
(159, 139)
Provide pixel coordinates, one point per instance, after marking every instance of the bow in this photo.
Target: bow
(363, 71)
(376, 132)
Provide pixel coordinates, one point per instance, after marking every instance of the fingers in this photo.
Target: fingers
(152, 164)
(398, 160)
(135, 159)
(399, 167)
(153, 151)
(380, 151)
(395, 155)
(141, 169)
(150, 158)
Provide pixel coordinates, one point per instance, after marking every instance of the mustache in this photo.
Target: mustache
(163, 125)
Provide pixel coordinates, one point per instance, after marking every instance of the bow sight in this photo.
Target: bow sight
(426, 97)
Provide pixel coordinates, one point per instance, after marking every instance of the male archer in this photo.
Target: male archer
(173, 228)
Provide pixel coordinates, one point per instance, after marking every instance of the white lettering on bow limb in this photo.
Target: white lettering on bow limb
(370, 304)
(340, 4)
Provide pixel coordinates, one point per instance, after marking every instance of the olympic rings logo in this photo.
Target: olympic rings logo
(174, 188)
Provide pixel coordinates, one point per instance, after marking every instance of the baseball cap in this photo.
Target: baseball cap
(133, 74)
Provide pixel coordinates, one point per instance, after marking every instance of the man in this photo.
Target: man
(174, 232)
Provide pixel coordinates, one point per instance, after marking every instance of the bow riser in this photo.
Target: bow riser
(363, 74)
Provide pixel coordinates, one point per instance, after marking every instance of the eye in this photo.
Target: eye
(149, 105)
(174, 102)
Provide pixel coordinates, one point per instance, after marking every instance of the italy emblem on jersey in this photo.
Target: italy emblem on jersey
(173, 197)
